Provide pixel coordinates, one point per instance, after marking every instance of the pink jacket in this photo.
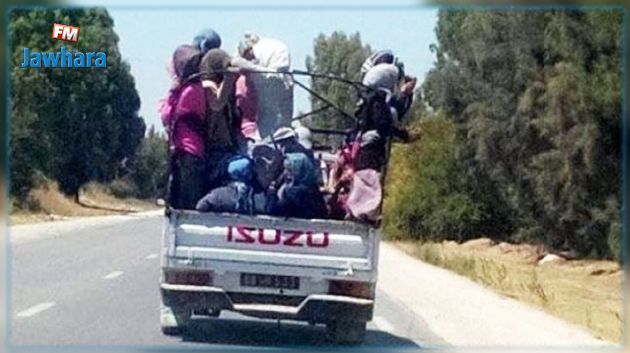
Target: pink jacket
(247, 104)
(186, 106)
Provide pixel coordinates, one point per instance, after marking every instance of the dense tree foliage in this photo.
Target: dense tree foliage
(536, 99)
(71, 125)
(339, 55)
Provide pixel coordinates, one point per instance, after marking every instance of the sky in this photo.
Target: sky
(149, 35)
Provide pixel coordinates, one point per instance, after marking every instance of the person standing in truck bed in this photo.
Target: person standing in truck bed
(183, 113)
(275, 89)
(245, 96)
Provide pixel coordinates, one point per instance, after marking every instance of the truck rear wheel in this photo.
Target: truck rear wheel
(173, 321)
(347, 331)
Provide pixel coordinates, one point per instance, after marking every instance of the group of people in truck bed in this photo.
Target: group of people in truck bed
(235, 147)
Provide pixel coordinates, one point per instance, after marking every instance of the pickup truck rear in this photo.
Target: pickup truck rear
(317, 271)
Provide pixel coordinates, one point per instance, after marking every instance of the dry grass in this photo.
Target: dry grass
(95, 194)
(584, 292)
(46, 203)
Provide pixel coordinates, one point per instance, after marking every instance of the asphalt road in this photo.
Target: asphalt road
(98, 285)
(93, 283)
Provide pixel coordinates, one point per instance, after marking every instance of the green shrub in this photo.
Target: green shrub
(427, 196)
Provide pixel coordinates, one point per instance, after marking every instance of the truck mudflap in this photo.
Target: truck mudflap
(318, 308)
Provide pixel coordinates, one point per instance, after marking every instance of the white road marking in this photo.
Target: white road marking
(383, 324)
(113, 275)
(151, 256)
(36, 309)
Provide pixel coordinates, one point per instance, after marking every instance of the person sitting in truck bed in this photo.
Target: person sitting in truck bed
(237, 194)
(297, 192)
(183, 113)
(289, 140)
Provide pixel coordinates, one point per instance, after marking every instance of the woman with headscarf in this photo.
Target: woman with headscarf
(381, 62)
(183, 113)
(206, 40)
(227, 128)
(246, 98)
(398, 90)
(275, 89)
(223, 127)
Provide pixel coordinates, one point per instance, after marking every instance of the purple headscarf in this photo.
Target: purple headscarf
(186, 59)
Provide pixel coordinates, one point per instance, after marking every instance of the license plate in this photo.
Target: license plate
(269, 281)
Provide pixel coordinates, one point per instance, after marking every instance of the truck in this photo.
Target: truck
(318, 271)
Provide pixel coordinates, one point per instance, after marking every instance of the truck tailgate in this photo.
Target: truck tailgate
(337, 246)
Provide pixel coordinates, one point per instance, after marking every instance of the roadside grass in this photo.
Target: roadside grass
(98, 195)
(583, 292)
(47, 203)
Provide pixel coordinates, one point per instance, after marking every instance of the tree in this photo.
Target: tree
(537, 98)
(341, 56)
(72, 125)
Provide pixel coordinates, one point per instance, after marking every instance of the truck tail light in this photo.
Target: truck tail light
(193, 278)
(352, 289)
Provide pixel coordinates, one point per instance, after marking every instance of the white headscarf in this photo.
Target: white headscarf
(270, 53)
(382, 76)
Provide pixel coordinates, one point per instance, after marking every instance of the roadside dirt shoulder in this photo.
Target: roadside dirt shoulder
(586, 293)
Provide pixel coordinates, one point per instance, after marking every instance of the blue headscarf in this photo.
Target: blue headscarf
(300, 169)
(207, 39)
(240, 169)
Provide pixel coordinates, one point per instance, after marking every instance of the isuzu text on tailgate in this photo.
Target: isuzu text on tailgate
(276, 236)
